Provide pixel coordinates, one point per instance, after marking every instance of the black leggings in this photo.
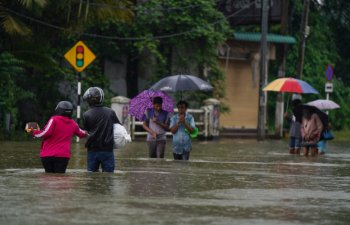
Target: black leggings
(55, 164)
(156, 149)
(183, 156)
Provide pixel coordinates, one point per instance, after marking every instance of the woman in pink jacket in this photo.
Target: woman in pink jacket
(57, 135)
(311, 129)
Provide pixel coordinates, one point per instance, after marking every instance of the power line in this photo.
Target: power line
(136, 8)
(147, 10)
(117, 37)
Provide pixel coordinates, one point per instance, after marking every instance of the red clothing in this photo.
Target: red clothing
(57, 135)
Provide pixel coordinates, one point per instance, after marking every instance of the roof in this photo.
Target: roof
(256, 37)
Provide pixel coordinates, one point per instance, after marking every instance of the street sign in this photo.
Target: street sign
(329, 72)
(80, 56)
(328, 87)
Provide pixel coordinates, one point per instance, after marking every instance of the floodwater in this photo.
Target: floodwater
(225, 182)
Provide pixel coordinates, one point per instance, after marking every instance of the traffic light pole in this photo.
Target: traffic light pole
(78, 101)
(80, 56)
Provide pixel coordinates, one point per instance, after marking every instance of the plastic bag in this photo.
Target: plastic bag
(30, 126)
(194, 133)
(121, 136)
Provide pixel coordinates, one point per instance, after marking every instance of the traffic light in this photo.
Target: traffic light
(79, 56)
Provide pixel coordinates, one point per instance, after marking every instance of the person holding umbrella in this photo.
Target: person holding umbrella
(324, 105)
(295, 86)
(295, 120)
(156, 123)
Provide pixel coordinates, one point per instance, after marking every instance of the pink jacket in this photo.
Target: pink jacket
(57, 135)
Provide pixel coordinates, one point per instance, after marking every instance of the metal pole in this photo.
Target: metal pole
(78, 102)
(327, 97)
(263, 70)
(281, 71)
(303, 36)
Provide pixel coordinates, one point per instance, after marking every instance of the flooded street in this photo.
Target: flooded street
(225, 182)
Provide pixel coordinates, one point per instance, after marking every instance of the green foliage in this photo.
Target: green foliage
(339, 118)
(324, 46)
(337, 12)
(13, 25)
(193, 30)
(181, 36)
(320, 51)
(11, 71)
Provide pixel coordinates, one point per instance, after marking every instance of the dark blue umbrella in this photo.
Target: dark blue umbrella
(181, 83)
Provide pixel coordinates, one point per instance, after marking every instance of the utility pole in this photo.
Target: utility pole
(303, 36)
(282, 58)
(263, 70)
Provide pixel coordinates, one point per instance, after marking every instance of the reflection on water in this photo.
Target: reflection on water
(225, 182)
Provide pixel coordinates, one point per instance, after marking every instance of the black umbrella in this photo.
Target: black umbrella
(180, 83)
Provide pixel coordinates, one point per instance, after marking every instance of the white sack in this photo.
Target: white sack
(121, 136)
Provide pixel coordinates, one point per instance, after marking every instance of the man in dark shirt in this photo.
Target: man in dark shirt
(295, 120)
(98, 121)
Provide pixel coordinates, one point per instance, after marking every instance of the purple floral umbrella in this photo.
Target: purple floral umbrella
(144, 100)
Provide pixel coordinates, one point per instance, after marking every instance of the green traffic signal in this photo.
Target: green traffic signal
(80, 63)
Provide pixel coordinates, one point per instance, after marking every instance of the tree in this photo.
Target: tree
(11, 70)
(324, 46)
(338, 13)
(181, 36)
(13, 25)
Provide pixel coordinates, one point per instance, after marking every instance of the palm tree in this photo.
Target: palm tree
(13, 25)
(97, 11)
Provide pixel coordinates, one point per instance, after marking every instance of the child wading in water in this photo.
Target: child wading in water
(57, 135)
(156, 123)
(182, 144)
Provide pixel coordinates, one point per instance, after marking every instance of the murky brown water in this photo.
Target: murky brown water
(225, 182)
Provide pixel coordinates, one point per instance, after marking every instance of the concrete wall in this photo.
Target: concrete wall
(146, 68)
(116, 73)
